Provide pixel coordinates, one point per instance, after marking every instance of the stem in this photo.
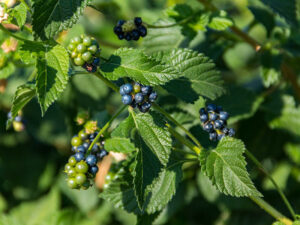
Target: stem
(106, 81)
(173, 24)
(269, 209)
(191, 136)
(282, 195)
(105, 127)
(11, 34)
(183, 140)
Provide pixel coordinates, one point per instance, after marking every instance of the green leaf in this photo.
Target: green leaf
(264, 17)
(199, 75)
(209, 192)
(133, 63)
(20, 13)
(52, 71)
(124, 128)
(286, 9)
(280, 174)
(164, 38)
(220, 21)
(23, 95)
(226, 167)
(155, 134)
(146, 219)
(293, 151)
(7, 70)
(117, 144)
(52, 16)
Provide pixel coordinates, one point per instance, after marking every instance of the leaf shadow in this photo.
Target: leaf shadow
(113, 62)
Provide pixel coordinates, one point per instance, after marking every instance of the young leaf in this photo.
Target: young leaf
(52, 16)
(226, 167)
(20, 13)
(220, 21)
(199, 74)
(152, 129)
(22, 96)
(52, 71)
(133, 63)
(124, 128)
(117, 144)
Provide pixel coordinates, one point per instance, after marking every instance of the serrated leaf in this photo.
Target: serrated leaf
(155, 134)
(117, 144)
(164, 38)
(220, 21)
(199, 75)
(226, 167)
(20, 13)
(52, 74)
(52, 16)
(133, 63)
(124, 128)
(286, 9)
(23, 95)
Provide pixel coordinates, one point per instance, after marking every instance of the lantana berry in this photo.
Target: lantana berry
(131, 29)
(18, 122)
(214, 121)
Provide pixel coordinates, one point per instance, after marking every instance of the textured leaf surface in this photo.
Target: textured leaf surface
(22, 96)
(226, 168)
(117, 144)
(199, 75)
(20, 13)
(153, 131)
(124, 128)
(52, 16)
(133, 63)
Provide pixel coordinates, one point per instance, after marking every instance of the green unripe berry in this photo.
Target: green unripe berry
(80, 178)
(68, 166)
(93, 49)
(87, 41)
(137, 88)
(78, 61)
(71, 46)
(72, 161)
(82, 135)
(87, 56)
(76, 40)
(74, 55)
(82, 167)
(72, 183)
(81, 48)
(71, 172)
(76, 141)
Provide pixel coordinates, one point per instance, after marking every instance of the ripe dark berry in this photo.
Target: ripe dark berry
(18, 119)
(146, 90)
(211, 107)
(96, 61)
(220, 136)
(219, 109)
(118, 30)
(142, 30)
(135, 35)
(218, 124)
(203, 118)
(122, 92)
(202, 111)
(121, 36)
(9, 115)
(127, 88)
(120, 22)
(213, 116)
(79, 156)
(153, 96)
(225, 130)
(93, 170)
(127, 99)
(102, 154)
(213, 136)
(91, 160)
(145, 107)
(138, 21)
(139, 98)
(81, 149)
(128, 37)
(86, 145)
(133, 104)
(208, 127)
(74, 148)
(231, 132)
(224, 115)
(95, 148)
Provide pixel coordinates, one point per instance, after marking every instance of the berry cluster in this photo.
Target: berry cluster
(138, 95)
(85, 52)
(82, 166)
(130, 30)
(214, 121)
(18, 122)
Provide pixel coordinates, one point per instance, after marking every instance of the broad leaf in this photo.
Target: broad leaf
(20, 13)
(52, 16)
(153, 131)
(124, 128)
(133, 63)
(226, 167)
(199, 75)
(23, 95)
(118, 144)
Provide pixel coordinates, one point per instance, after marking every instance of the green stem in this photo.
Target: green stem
(173, 24)
(282, 195)
(169, 117)
(105, 127)
(272, 211)
(106, 81)
(11, 34)
(27, 6)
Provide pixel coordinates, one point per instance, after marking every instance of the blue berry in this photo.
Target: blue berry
(231, 132)
(213, 136)
(142, 30)
(128, 37)
(203, 118)
(92, 136)
(91, 160)
(211, 107)
(202, 111)
(218, 124)
(139, 98)
(133, 104)
(127, 99)
(225, 130)
(135, 35)
(81, 149)
(95, 148)
(96, 61)
(208, 127)
(219, 109)
(220, 136)
(120, 22)
(93, 170)
(74, 148)
(224, 115)
(127, 88)
(118, 30)
(213, 116)
(79, 156)
(145, 107)
(146, 90)
(102, 154)
(9, 115)
(121, 36)
(86, 145)
(152, 96)
(138, 21)
(18, 118)
(122, 92)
